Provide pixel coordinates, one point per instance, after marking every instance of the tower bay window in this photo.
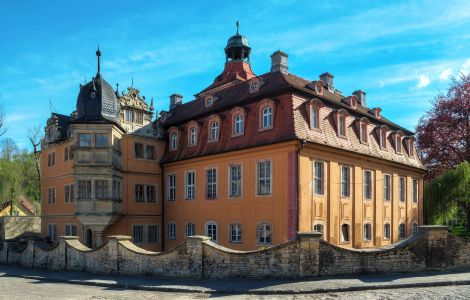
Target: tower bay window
(101, 140)
(84, 140)
(101, 189)
(84, 189)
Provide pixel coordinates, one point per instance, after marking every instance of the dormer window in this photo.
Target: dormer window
(255, 84)
(93, 94)
(382, 136)
(267, 117)
(254, 87)
(364, 133)
(238, 125)
(398, 147)
(342, 126)
(192, 136)
(315, 118)
(411, 147)
(173, 141)
(214, 131)
(210, 99)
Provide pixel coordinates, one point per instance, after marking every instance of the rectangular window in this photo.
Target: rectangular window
(235, 180)
(101, 189)
(51, 196)
(151, 196)
(70, 153)
(415, 191)
(211, 183)
(364, 133)
(319, 177)
(139, 150)
(66, 154)
(367, 185)
(402, 187)
(150, 152)
(70, 230)
(398, 144)
(52, 231)
(84, 189)
(139, 193)
(387, 187)
(387, 231)
(126, 115)
(345, 181)
(235, 233)
(84, 140)
(139, 118)
(264, 178)
(190, 185)
(171, 187)
(342, 126)
(383, 139)
(171, 231)
(138, 234)
(68, 194)
(101, 140)
(51, 159)
(315, 118)
(153, 234)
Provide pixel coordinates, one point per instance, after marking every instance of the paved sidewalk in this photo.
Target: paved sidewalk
(244, 286)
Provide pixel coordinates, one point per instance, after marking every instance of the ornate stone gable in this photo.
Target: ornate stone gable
(132, 99)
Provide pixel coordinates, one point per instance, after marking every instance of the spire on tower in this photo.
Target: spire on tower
(98, 54)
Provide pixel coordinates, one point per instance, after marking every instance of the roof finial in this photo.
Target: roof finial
(132, 83)
(98, 54)
(117, 90)
(238, 26)
(151, 104)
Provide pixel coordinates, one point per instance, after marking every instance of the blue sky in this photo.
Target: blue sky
(400, 53)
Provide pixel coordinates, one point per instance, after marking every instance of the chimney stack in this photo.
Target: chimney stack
(175, 100)
(279, 62)
(361, 97)
(327, 78)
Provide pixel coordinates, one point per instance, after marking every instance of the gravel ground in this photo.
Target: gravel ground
(21, 288)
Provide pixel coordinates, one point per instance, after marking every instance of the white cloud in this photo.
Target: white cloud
(444, 75)
(465, 67)
(423, 81)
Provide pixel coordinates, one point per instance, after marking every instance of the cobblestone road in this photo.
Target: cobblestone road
(21, 288)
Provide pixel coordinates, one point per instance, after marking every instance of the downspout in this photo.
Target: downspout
(297, 182)
(162, 230)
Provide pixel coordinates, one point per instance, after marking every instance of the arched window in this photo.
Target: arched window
(264, 234)
(173, 141)
(190, 229)
(367, 232)
(415, 227)
(345, 233)
(401, 231)
(318, 228)
(238, 125)
(267, 117)
(211, 231)
(214, 131)
(235, 233)
(192, 136)
(386, 231)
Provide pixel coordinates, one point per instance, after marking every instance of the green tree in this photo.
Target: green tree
(448, 194)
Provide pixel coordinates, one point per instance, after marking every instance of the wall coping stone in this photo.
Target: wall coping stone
(313, 234)
(69, 237)
(119, 237)
(432, 227)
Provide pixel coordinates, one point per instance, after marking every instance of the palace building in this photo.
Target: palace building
(249, 162)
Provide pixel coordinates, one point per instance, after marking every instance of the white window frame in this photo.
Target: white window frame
(211, 231)
(190, 229)
(171, 230)
(190, 185)
(192, 136)
(318, 227)
(235, 183)
(211, 183)
(214, 131)
(264, 235)
(238, 124)
(267, 117)
(173, 141)
(267, 178)
(171, 184)
(319, 178)
(235, 233)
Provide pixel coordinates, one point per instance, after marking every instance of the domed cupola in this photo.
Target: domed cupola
(97, 100)
(237, 48)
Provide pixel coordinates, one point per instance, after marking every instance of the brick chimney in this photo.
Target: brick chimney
(279, 62)
(175, 100)
(361, 97)
(327, 78)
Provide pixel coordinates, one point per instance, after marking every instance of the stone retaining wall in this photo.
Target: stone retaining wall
(431, 249)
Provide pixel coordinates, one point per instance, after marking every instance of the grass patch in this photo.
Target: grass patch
(460, 231)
